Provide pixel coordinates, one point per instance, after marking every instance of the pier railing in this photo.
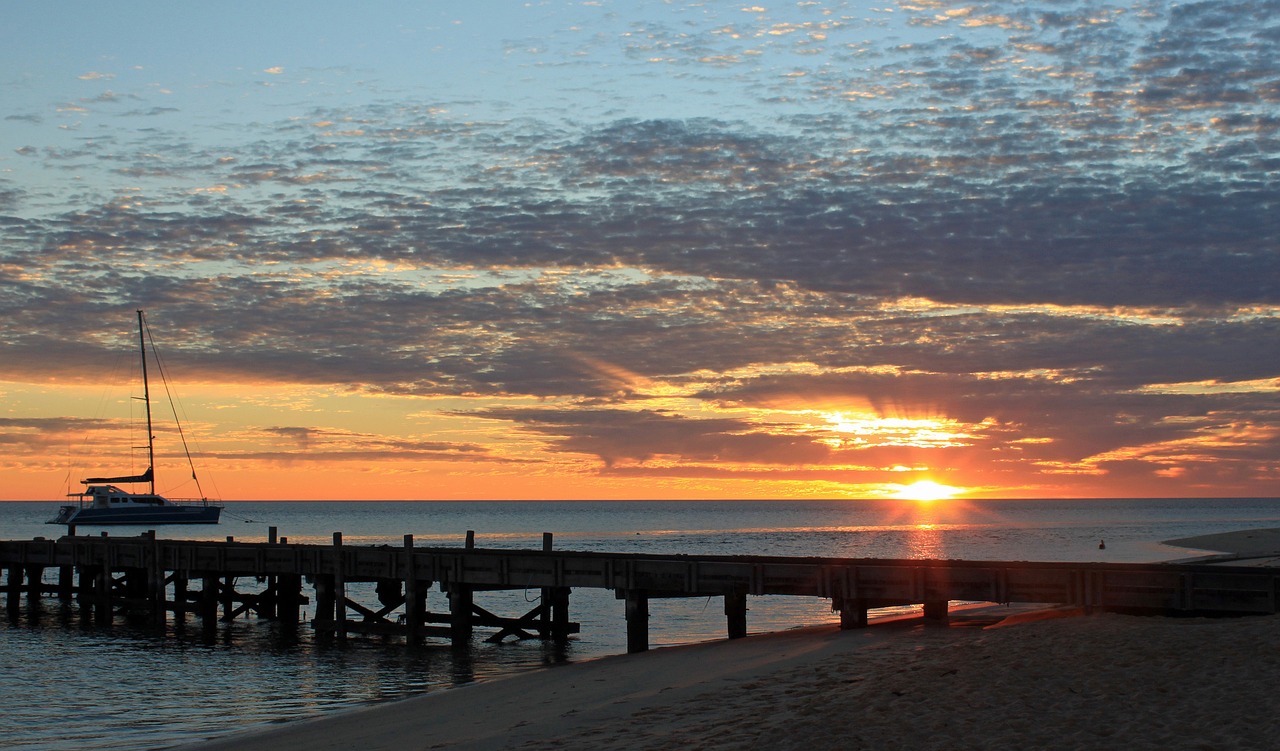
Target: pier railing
(104, 570)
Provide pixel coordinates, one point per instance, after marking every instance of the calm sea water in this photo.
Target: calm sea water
(71, 683)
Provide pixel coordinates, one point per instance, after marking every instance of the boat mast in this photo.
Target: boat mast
(146, 398)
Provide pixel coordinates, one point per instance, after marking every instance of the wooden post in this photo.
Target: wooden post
(102, 592)
(735, 610)
(339, 589)
(461, 599)
(324, 602)
(412, 598)
(66, 582)
(545, 627)
(288, 598)
(35, 577)
(637, 620)
(14, 600)
(228, 597)
(84, 592)
(156, 582)
(936, 610)
(460, 602)
(179, 597)
(560, 613)
(269, 601)
(853, 613)
(209, 601)
(158, 597)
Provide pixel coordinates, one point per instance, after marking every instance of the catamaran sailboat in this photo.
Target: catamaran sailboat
(103, 502)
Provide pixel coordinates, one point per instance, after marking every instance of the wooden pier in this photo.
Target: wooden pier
(180, 576)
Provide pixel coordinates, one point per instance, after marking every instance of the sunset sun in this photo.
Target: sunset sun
(926, 490)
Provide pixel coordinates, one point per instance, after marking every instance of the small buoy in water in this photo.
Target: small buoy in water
(1102, 544)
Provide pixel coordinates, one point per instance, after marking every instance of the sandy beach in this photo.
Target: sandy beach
(995, 678)
(1069, 681)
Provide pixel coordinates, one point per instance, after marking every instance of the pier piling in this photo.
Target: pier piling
(936, 610)
(339, 589)
(637, 614)
(735, 610)
(13, 588)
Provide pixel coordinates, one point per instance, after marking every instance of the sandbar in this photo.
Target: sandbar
(1240, 543)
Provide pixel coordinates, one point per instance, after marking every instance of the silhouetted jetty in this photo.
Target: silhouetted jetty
(181, 576)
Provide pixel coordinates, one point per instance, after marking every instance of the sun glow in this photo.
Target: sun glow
(861, 431)
(926, 490)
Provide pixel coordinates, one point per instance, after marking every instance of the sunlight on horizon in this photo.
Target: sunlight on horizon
(926, 490)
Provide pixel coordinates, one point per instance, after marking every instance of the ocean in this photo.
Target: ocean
(70, 683)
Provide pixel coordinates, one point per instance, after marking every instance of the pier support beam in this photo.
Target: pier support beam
(208, 606)
(637, 620)
(325, 602)
(415, 609)
(84, 591)
(157, 584)
(415, 596)
(102, 594)
(554, 620)
(288, 598)
(735, 611)
(179, 597)
(461, 602)
(35, 578)
(853, 613)
(936, 610)
(556, 600)
(66, 583)
(339, 588)
(134, 584)
(14, 588)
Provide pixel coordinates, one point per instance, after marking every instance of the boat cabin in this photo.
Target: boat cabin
(104, 496)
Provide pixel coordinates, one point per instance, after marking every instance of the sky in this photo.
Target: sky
(631, 250)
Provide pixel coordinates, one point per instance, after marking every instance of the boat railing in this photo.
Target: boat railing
(195, 502)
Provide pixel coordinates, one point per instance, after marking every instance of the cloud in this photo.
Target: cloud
(624, 436)
(1021, 217)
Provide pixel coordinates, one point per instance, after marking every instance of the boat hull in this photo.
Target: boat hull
(148, 516)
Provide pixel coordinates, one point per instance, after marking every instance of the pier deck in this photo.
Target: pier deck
(103, 572)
